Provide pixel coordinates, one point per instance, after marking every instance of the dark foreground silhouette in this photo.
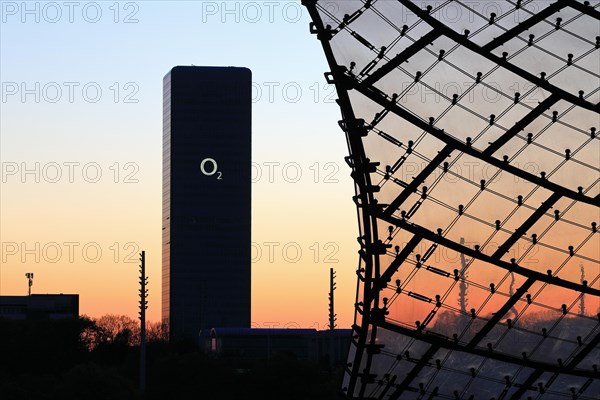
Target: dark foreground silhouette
(87, 359)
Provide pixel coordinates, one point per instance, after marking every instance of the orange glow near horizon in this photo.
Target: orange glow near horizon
(82, 233)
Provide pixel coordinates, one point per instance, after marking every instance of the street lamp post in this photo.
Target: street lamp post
(29, 276)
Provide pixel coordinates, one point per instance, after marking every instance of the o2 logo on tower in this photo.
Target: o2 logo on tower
(209, 167)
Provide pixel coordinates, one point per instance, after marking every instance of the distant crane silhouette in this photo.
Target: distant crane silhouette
(462, 297)
(582, 300)
(511, 291)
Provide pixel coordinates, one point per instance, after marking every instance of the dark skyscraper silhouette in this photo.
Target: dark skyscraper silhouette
(206, 199)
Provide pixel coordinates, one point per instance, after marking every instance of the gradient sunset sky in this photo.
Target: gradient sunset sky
(81, 154)
(63, 54)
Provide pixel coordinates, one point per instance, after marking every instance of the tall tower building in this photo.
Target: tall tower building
(206, 199)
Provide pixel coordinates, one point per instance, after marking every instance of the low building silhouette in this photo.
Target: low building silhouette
(39, 306)
(264, 343)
